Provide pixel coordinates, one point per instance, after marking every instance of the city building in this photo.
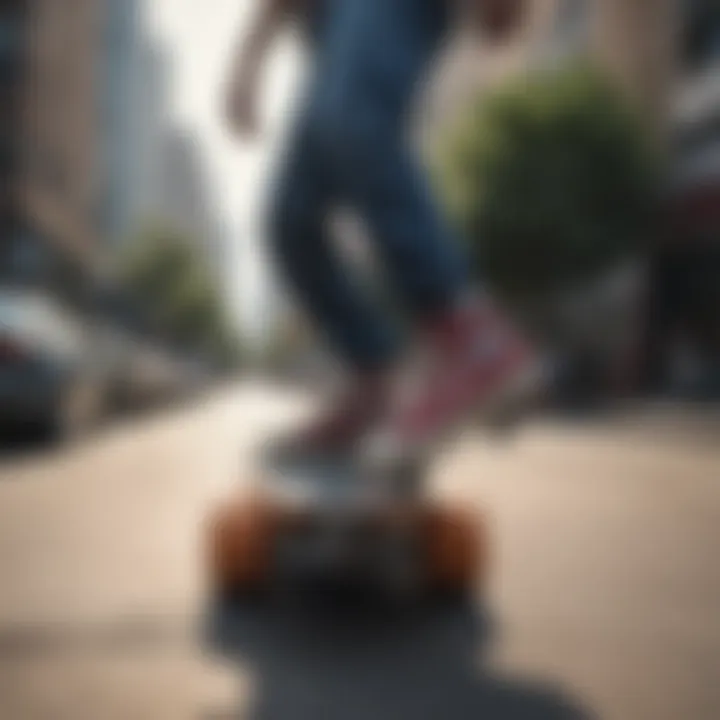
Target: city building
(183, 197)
(135, 123)
(682, 344)
(150, 106)
(14, 31)
(633, 39)
(51, 125)
(154, 169)
(121, 70)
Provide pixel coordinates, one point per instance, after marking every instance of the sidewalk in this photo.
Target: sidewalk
(606, 581)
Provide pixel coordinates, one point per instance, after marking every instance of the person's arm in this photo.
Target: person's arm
(248, 62)
(496, 20)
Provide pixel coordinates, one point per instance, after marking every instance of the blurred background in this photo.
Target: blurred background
(145, 343)
(579, 162)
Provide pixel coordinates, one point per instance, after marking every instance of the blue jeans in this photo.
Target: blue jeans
(350, 147)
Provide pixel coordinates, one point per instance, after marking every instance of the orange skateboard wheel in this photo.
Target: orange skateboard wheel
(455, 550)
(242, 536)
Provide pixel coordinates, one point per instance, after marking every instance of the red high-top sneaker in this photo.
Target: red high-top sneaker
(479, 365)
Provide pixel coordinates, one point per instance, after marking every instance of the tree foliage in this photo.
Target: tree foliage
(550, 181)
(169, 279)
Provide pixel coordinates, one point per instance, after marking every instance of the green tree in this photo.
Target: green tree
(551, 182)
(169, 279)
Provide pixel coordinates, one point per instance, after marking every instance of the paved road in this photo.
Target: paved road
(605, 595)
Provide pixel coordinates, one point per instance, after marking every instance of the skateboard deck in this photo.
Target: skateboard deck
(339, 486)
(335, 526)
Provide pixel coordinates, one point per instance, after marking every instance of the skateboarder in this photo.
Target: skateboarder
(350, 147)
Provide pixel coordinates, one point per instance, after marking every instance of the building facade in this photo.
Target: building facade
(51, 233)
(121, 71)
(682, 348)
(155, 170)
(14, 31)
(136, 123)
(184, 200)
(151, 126)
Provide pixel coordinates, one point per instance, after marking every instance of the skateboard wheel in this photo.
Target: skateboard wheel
(455, 551)
(241, 544)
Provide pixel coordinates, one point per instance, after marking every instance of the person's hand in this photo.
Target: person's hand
(498, 19)
(241, 108)
(241, 101)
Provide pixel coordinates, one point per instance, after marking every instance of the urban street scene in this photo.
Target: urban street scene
(360, 359)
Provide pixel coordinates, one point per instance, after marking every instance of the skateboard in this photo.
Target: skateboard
(331, 528)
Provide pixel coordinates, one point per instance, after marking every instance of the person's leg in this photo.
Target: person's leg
(318, 280)
(310, 264)
(372, 58)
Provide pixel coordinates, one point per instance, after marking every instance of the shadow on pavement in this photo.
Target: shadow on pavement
(426, 664)
(21, 443)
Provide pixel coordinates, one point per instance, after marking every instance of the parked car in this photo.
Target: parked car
(154, 378)
(144, 370)
(145, 374)
(53, 372)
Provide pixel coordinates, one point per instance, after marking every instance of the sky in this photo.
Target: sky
(199, 39)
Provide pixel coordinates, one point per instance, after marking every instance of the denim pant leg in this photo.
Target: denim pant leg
(371, 57)
(310, 264)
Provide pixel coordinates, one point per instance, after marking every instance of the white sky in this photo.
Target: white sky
(199, 39)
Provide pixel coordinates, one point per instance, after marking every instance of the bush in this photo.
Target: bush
(167, 277)
(551, 183)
